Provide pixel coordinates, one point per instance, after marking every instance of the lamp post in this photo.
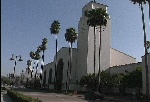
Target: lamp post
(15, 59)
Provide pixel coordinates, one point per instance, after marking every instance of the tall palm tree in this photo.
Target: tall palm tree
(43, 47)
(144, 2)
(29, 70)
(55, 27)
(92, 21)
(102, 17)
(32, 57)
(36, 56)
(71, 37)
(141, 2)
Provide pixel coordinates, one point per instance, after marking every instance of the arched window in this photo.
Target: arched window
(50, 76)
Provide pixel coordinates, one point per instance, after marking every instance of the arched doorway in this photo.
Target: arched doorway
(50, 77)
(44, 79)
(59, 76)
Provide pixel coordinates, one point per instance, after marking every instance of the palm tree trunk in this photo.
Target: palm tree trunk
(70, 65)
(146, 63)
(67, 81)
(55, 66)
(42, 66)
(69, 69)
(94, 59)
(36, 70)
(33, 67)
(99, 58)
(149, 11)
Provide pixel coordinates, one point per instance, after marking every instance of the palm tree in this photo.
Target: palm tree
(92, 21)
(36, 56)
(55, 27)
(29, 70)
(141, 2)
(32, 57)
(102, 17)
(43, 47)
(71, 37)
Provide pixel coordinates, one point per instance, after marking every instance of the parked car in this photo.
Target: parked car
(94, 95)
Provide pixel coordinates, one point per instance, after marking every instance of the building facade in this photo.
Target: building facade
(83, 55)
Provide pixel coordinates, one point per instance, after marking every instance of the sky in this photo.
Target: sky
(24, 23)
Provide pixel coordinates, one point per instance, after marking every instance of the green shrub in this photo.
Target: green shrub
(145, 98)
(18, 97)
(3, 88)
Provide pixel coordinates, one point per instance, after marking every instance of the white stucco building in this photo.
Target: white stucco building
(83, 55)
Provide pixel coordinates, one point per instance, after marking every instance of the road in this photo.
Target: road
(55, 97)
(59, 97)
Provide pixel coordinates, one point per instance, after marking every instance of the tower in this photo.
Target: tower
(85, 44)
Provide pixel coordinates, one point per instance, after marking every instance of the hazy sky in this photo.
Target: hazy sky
(26, 22)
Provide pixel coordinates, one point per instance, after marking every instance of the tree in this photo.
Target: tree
(92, 21)
(5, 80)
(134, 79)
(97, 17)
(71, 37)
(36, 83)
(141, 2)
(43, 47)
(102, 17)
(55, 27)
(89, 81)
(36, 56)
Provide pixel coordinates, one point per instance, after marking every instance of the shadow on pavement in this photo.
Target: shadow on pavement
(6, 98)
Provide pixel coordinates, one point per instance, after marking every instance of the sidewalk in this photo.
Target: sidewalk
(120, 99)
(5, 97)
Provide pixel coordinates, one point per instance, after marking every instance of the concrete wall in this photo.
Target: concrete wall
(124, 68)
(47, 68)
(82, 48)
(120, 58)
(144, 73)
(64, 54)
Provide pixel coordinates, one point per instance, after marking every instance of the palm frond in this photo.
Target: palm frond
(55, 27)
(71, 35)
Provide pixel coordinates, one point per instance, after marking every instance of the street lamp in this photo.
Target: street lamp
(15, 59)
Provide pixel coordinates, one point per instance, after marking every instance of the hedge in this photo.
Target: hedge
(145, 98)
(18, 97)
(3, 88)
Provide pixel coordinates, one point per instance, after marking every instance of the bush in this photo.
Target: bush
(3, 88)
(18, 97)
(145, 98)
